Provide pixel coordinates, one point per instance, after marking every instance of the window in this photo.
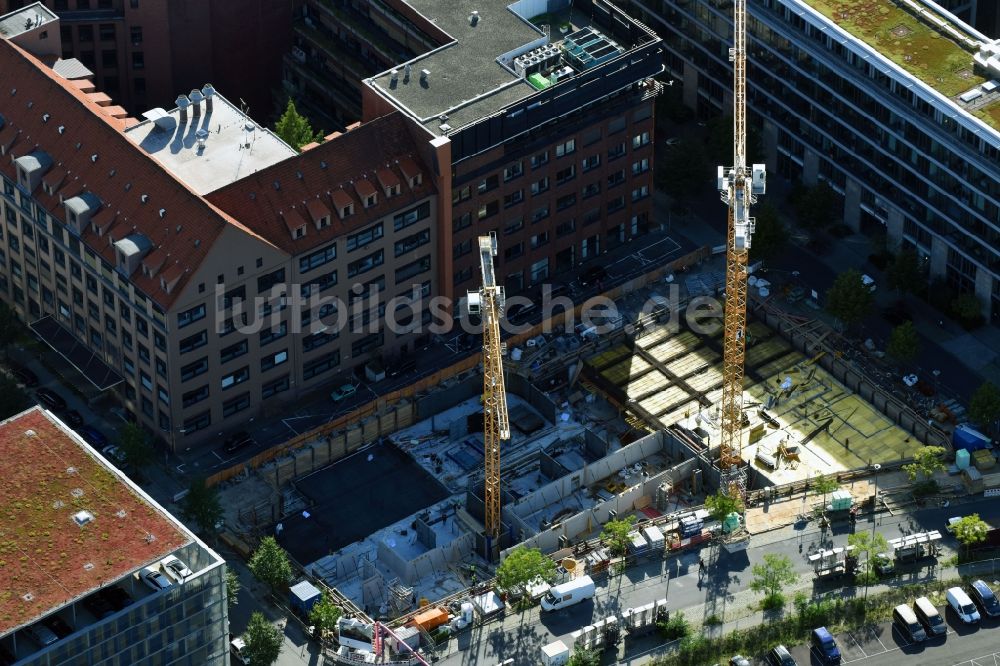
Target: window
(365, 264)
(109, 59)
(273, 333)
(616, 178)
(266, 282)
(234, 378)
(514, 226)
(591, 162)
(616, 204)
(513, 198)
(616, 151)
(162, 395)
(159, 341)
(566, 148)
(463, 221)
(318, 258)
(138, 60)
(487, 184)
(106, 31)
(146, 381)
(143, 353)
(190, 316)
(593, 189)
(540, 159)
(462, 249)
(461, 194)
(273, 360)
(413, 269)
(318, 284)
(539, 271)
(565, 228)
(320, 365)
(513, 251)
(640, 193)
(640, 140)
(192, 370)
(196, 423)
(367, 344)
(539, 186)
(317, 340)
(237, 404)
(539, 213)
(616, 125)
(161, 367)
(566, 175)
(488, 209)
(274, 387)
(85, 33)
(195, 396)
(642, 166)
(364, 237)
(562, 203)
(515, 170)
(136, 35)
(411, 216)
(233, 351)
(411, 243)
(539, 240)
(193, 342)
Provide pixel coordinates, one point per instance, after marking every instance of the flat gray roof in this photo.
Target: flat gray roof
(225, 157)
(465, 69)
(25, 19)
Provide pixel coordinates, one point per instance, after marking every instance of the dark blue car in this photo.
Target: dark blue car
(824, 644)
(93, 436)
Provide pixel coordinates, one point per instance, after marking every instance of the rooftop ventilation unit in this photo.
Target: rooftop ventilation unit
(394, 76)
(425, 74)
(474, 18)
(209, 92)
(81, 518)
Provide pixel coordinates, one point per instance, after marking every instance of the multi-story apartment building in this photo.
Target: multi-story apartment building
(545, 109)
(141, 52)
(898, 109)
(103, 574)
(192, 262)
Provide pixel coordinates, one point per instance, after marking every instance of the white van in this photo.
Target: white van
(962, 605)
(568, 594)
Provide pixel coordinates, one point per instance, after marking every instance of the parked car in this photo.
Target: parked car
(780, 656)
(519, 310)
(739, 660)
(929, 616)
(401, 367)
(50, 399)
(117, 597)
(114, 454)
(593, 275)
(93, 436)
(906, 623)
(344, 392)
(825, 646)
(73, 418)
(58, 626)
(175, 569)
(984, 598)
(98, 606)
(236, 441)
(154, 579)
(237, 646)
(962, 605)
(41, 634)
(23, 375)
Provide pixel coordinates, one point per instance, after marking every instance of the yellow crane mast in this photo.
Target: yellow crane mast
(489, 303)
(739, 188)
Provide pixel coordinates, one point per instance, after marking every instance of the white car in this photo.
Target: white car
(154, 579)
(175, 569)
(962, 605)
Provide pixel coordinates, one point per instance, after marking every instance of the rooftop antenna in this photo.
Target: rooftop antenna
(244, 109)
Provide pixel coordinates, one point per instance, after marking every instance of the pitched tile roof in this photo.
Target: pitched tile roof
(330, 174)
(41, 109)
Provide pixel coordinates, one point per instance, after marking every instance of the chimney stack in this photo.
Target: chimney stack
(196, 100)
(209, 92)
(183, 103)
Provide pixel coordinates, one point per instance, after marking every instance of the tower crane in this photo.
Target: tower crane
(489, 303)
(739, 188)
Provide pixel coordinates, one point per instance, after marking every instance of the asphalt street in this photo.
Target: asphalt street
(521, 636)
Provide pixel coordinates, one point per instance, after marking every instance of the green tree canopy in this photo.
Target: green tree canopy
(905, 273)
(818, 207)
(269, 564)
(984, 407)
(970, 530)
(581, 657)
(868, 544)
(926, 462)
(721, 505)
(968, 309)
(904, 343)
(770, 237)
(201, 506)
(683, 171)
(615, 534)
(771, 576)
(12, 399)
(849, 300)
(324, 614)
(294, 128)
(824, 485)
(233, 587)
(264, 641)
(524, 565)
(135, 446)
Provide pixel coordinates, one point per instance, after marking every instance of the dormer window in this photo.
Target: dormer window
(346, 211)
(299, 232)
(416, 180)
(323, 222)
(395, 190)
(371, 200)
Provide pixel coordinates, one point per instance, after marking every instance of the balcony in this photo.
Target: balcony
(353, 68)
(365, 30)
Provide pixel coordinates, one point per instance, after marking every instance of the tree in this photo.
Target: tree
(324, 614)
(770, 577)
(770, 236)
(870, 545)
(926, 462)
(269, 564)
(615, 534)
(905, 273)
(721, 505)
(201, 506)
(824, 485)
(233, 587)
(968, 309)
(719, 142)
(849, 300)
(970, 530)
(683, 171)
(522, 566)
(582, 657)
(294, 128)
(135, 446)
(984, 407)
(904, 343)
(10, 327)
(264, 641)
(818, 207)
(12, 399)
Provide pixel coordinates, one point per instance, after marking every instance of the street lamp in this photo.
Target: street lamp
(875, 467)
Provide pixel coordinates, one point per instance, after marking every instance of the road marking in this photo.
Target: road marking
(851, 634)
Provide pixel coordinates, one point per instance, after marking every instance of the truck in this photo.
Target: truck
(568, 594)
